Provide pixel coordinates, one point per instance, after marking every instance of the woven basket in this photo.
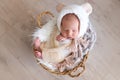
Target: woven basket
(72, 72)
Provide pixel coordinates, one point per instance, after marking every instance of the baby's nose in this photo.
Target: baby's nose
(70, 34)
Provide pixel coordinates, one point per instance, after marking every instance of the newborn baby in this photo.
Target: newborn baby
(71, 24)
(69, 30)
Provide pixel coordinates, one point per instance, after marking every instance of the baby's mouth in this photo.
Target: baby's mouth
(69, 38)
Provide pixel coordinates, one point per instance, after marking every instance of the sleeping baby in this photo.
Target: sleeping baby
(58, 38)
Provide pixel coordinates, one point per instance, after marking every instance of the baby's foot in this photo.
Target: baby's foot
(38, 54)
(37, 50)
(37, 43)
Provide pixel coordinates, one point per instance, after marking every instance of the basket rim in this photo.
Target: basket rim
(81, 64)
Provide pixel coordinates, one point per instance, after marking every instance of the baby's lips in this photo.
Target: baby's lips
(68, 37)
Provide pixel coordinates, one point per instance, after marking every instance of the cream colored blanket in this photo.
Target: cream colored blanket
(54, 51)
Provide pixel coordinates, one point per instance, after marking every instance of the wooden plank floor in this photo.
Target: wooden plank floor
(17, 22)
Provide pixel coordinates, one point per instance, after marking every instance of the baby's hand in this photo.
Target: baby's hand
(60, 38)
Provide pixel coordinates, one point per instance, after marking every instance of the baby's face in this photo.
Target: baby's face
(70, 26)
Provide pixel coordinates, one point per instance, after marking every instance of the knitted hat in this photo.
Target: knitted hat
(81, 11)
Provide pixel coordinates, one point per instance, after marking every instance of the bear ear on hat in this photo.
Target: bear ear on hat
(87, 7)
(59, 7)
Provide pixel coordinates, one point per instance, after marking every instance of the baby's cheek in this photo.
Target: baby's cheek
(75, 34)
(64, 34)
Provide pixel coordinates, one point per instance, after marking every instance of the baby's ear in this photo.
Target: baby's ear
(59, 7)
(88, 8)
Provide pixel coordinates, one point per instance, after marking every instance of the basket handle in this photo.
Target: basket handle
(79, 73)
(42, 14)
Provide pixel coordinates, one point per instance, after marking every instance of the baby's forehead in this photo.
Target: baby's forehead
(70, 19)
(70, 16)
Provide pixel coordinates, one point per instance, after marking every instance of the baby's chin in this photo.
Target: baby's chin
(71, 38)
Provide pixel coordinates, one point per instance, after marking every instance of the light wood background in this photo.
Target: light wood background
(17, 22)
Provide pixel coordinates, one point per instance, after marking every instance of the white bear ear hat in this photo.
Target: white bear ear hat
(81, 11)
